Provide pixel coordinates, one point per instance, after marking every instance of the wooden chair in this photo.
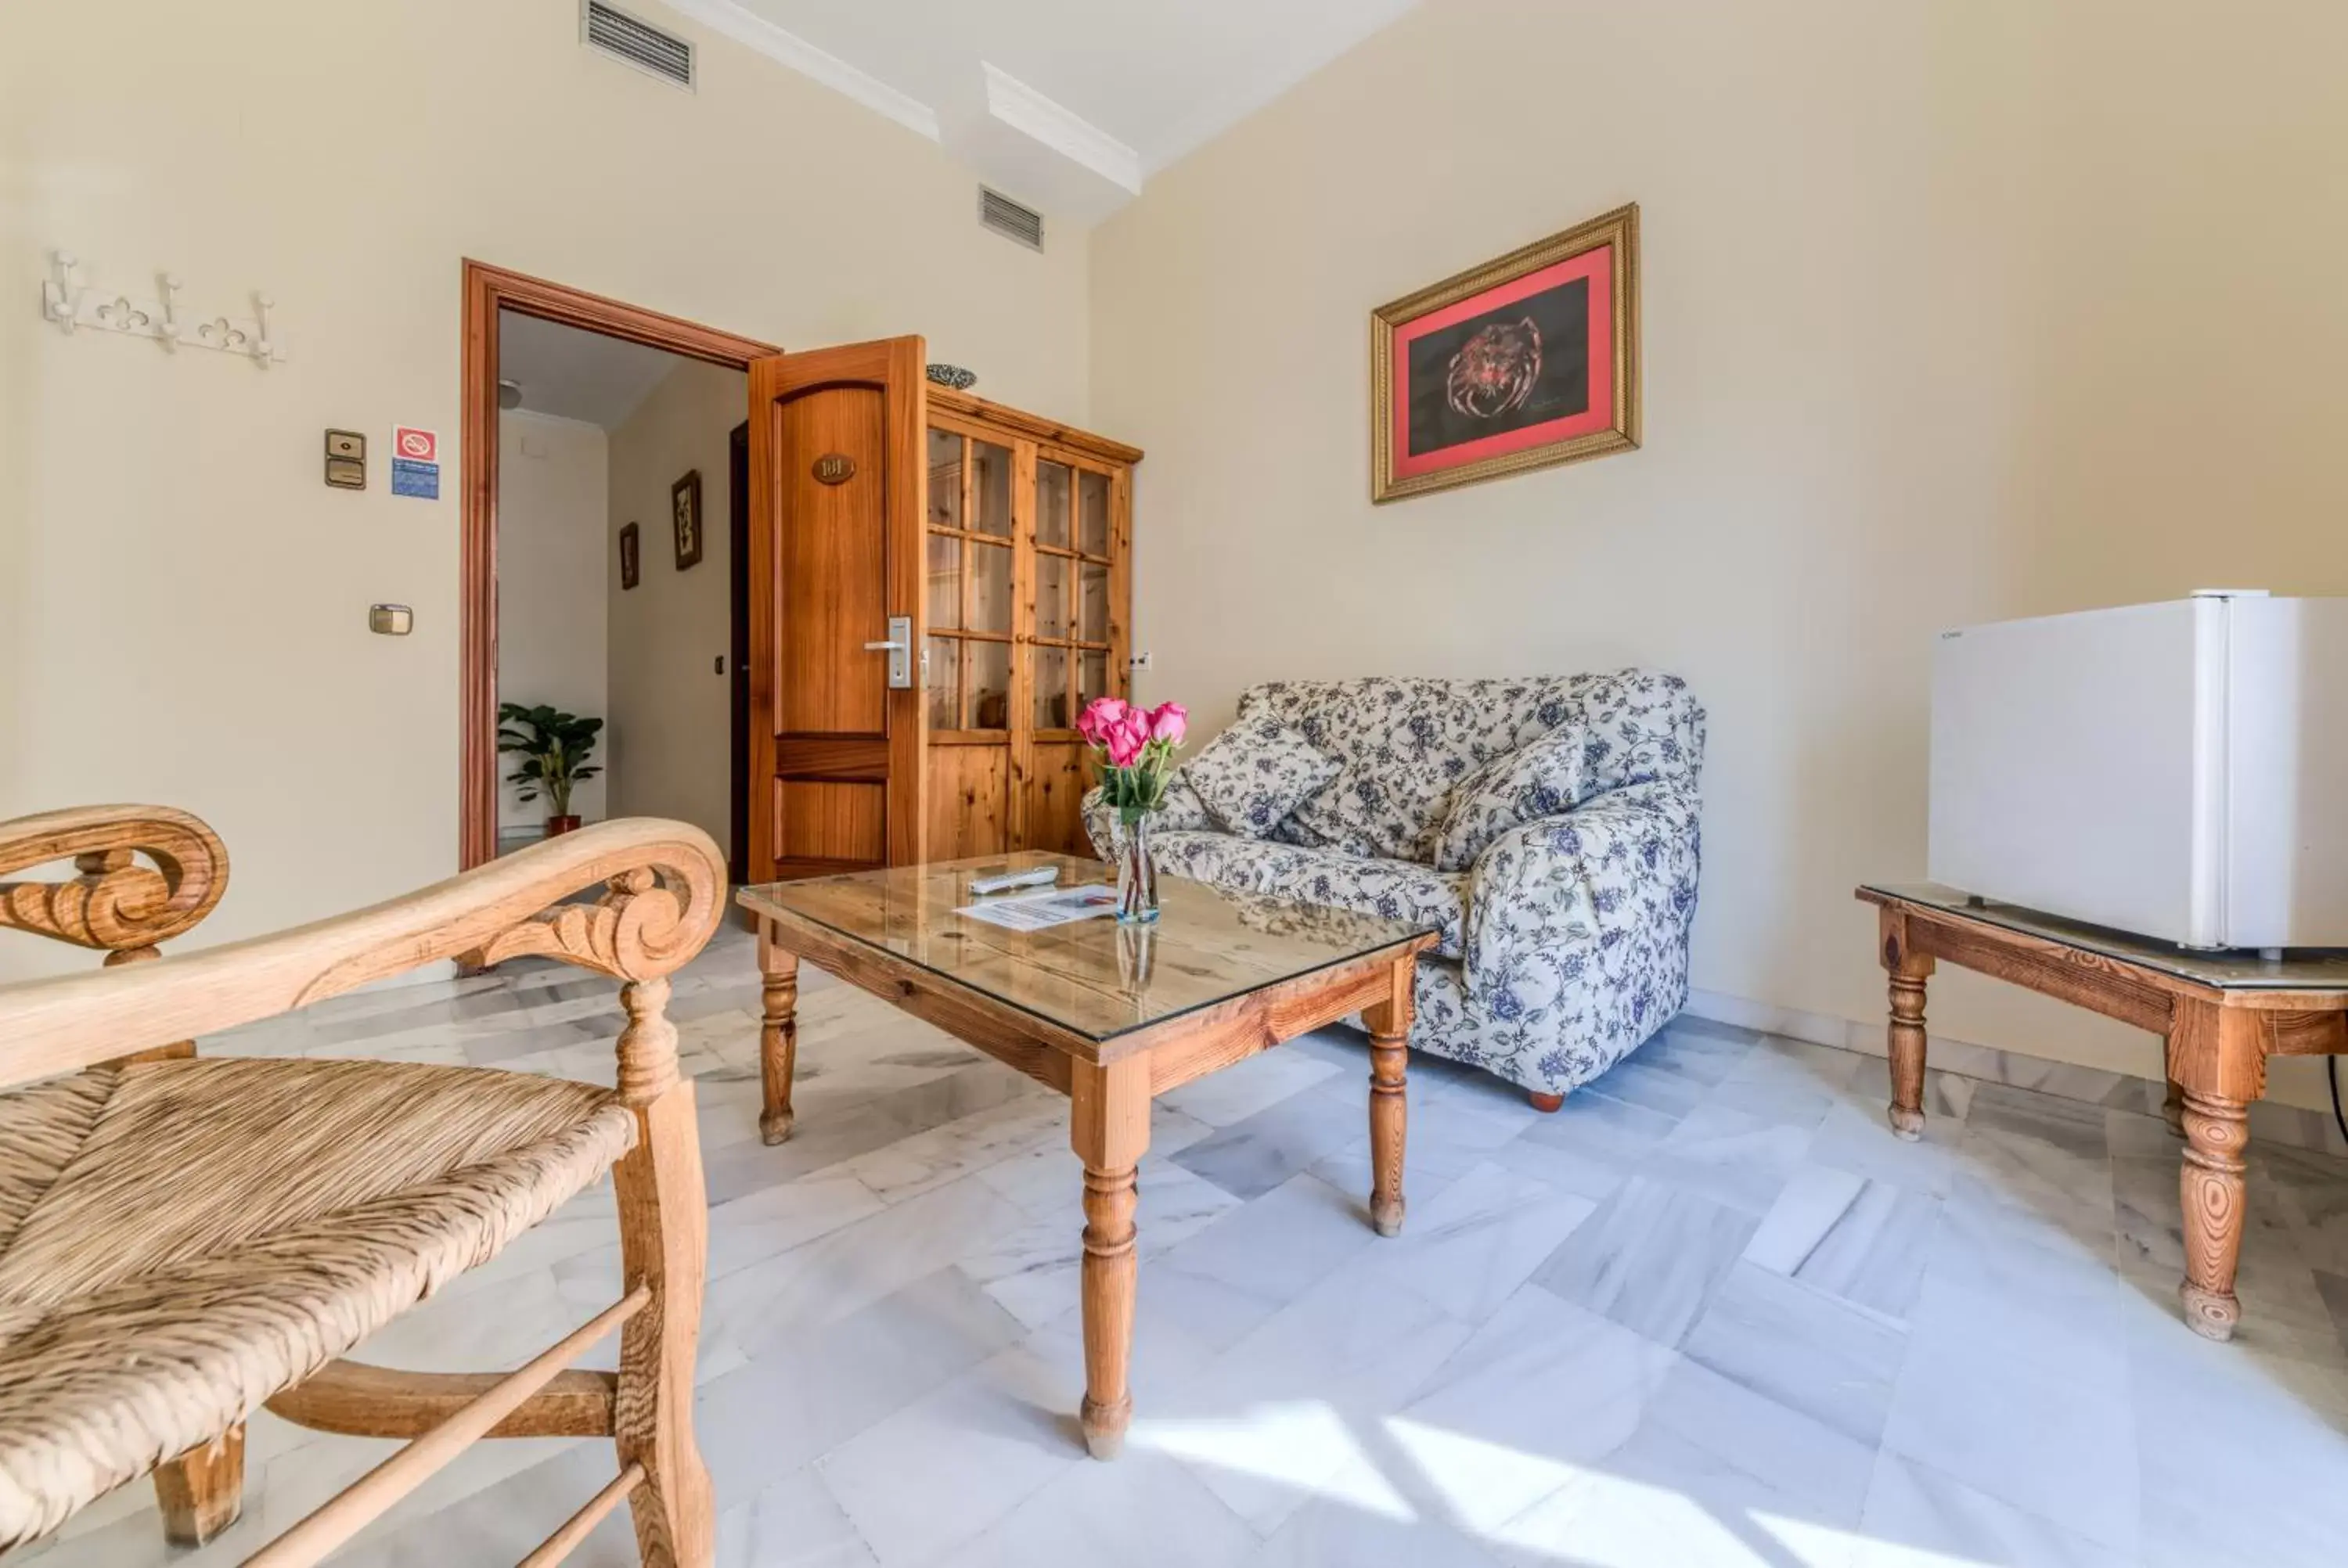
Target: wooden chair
(183, 1241)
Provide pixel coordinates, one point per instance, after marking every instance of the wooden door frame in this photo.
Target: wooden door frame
(738, 650)
(489, 290)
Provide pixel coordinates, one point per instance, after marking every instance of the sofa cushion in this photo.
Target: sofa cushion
(1541, 779)
(1621, 730)
(1404, 745)
(1393, 889)
(1256, 773)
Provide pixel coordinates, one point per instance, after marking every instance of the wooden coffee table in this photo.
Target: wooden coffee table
(1111, 1016)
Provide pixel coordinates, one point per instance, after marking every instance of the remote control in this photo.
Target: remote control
(1041, 876)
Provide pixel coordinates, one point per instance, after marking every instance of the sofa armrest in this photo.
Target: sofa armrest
(113, 903)
(1598, 892)
(664, 886)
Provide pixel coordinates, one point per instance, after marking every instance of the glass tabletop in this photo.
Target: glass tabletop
(2299, 968)
(1091, 976)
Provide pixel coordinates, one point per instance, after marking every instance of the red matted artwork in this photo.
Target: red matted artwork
(1521, 363)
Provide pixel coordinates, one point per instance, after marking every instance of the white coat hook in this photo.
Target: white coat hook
(70, 301)
(65, 295)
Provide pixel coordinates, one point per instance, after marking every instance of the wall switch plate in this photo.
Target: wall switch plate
(346, 460)
(390, 620)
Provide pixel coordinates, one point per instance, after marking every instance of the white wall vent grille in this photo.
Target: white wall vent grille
(646, 47)
(1010, 219)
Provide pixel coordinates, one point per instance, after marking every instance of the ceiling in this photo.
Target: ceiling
(1066, 105)
(575, 374)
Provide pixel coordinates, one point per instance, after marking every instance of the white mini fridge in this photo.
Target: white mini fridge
(2178, 770)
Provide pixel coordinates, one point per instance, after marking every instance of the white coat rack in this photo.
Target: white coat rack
(69, 299)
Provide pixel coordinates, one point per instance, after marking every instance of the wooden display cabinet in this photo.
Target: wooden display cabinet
(1029, 567)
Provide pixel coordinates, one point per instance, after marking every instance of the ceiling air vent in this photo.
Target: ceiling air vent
(1010, 219)
(646, 47)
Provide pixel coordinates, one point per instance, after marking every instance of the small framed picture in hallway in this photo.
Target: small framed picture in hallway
(684, 509)
(1525, 360)
(630, 557)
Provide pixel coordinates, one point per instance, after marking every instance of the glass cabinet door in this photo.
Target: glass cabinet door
(1073, 614)
(971, 572)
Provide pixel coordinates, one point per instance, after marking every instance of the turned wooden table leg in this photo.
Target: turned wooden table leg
(1390, 1025)
(1904, 1035)
(1109, 1128)
(2172, 1108)
(778, 1037)
(202, 1491)
(2209, 1191)
(2217, 1058)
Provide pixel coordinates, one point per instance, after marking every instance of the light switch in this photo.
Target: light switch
(390, 620)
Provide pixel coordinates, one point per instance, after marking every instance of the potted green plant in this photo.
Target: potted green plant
(554, 753)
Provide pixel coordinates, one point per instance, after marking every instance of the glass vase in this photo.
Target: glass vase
(1137, 874)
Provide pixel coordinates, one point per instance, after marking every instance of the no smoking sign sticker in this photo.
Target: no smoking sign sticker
(416, 445)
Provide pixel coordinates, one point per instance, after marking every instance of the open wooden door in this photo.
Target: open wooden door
(838, 489)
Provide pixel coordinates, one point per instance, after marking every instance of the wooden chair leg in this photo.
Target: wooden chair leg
(1545, 1102)
(201, 1492)
(664, 1243)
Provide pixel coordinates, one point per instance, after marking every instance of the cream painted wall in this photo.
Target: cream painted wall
(552, 562)
(182, 602)
(671, 727)
(1953, 312)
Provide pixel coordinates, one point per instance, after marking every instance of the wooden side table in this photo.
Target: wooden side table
(2222, 1015)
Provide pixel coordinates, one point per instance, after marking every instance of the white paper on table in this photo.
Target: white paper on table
(1041, 911)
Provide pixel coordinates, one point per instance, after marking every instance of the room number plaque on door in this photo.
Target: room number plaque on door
(834, 469)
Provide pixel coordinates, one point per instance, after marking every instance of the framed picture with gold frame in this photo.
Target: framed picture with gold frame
(1520, 363)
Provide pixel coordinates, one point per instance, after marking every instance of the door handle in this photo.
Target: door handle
(899, 646)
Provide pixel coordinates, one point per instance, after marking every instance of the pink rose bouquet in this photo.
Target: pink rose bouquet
(1135, 748)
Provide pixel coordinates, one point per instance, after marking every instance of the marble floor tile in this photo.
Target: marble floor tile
(1273, 1422)
(975, 1448)
(1658, 1085)
(2062, 1449)
(1801, 1348)
(790, 1523)
(2333, 1288)
(1864, 1241)
(1250, 1157)
(1542, 1394)
(1854, 1137)
(1032, 1272)
(1241, 1090)
(1470, 1247)
(1701, 1423)
(1786, 1082)
(1340, 1530)
(1246, 1264)
(781, 1299)
(1917, 1517)
(2073, 1127)
(1146, 1511)
(1734, 1159)
(1649, 1258)
(804, 1395)
(1588, 1145)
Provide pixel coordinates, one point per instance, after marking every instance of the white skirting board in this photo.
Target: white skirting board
(2300, 1127)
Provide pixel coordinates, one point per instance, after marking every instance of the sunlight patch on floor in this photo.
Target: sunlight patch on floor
(1307, 1446)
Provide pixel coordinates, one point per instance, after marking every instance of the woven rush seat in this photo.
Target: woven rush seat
(180, 1240)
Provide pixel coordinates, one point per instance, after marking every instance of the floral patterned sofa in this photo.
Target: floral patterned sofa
(1565, 933)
